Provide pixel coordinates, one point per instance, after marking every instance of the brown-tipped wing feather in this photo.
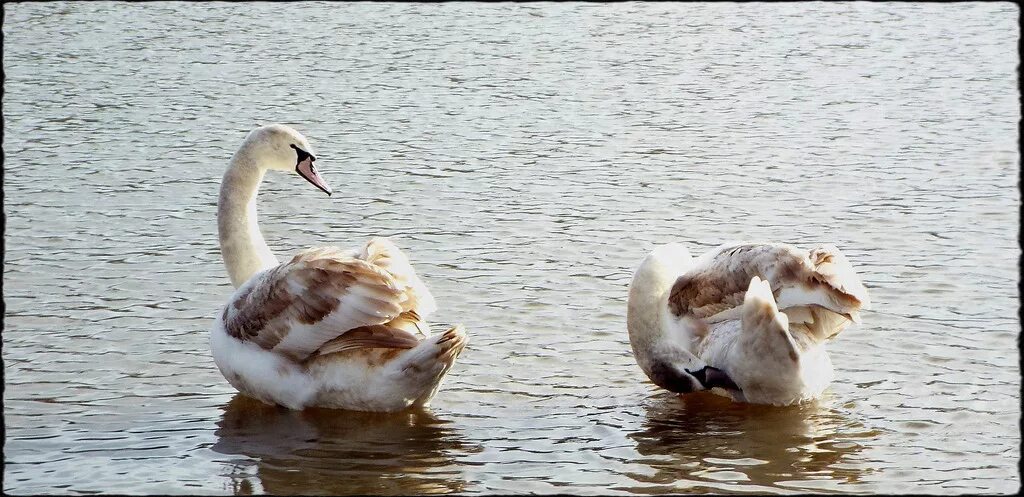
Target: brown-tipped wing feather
(382, 253)
(832, 268)
(322, 293)
(719, 280)
(412, 322)
(366, 337)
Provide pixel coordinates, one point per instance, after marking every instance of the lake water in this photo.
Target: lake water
(526, 157)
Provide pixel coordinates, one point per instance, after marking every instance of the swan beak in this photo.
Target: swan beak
(710, 377)
(307, 170)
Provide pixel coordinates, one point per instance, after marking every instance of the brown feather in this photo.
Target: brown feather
(720, 283)
(265, 312)
(366, 337)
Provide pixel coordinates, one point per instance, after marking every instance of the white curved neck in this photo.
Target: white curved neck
(242, 246)
(648, 294)
(647, 314)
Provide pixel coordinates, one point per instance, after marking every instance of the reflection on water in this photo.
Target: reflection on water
(527, 156)
(334, 452)
(711, 438)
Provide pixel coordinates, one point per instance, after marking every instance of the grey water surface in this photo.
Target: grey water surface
(526, 156)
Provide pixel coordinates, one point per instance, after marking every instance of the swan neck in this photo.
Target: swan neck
(242, 246)
(647, 309)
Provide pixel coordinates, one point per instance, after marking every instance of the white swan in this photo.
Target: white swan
(722, 311)
(329, 328)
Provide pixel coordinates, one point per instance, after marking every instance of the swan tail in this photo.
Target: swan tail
(764, 328)
(434, 356)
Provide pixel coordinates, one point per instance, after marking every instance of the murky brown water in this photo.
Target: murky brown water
(526, 156)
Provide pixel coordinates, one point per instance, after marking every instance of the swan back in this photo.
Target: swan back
(296, 307)
(816, 286)
(322, 293)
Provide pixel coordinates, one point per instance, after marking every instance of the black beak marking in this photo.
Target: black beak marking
(302, 154)
(711, 377)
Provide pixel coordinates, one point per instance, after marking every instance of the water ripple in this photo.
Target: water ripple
(526, 157)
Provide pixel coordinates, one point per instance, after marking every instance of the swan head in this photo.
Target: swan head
(281, 148)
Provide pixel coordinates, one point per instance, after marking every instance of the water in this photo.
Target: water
(526, 156)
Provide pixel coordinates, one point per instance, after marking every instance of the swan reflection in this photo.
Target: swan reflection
(322, 451)
(706, 438)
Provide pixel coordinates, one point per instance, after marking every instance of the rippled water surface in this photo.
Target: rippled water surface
(526, 156)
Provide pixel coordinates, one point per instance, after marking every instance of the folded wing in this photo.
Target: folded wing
(819, 285)
(323, 293)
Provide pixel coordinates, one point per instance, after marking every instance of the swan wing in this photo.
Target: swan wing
(376, 336)
(384, 254)
(716, 286)
(322, 293)
(718, 280)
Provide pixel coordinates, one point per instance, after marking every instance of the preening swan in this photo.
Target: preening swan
(329, 328)
(761, 313)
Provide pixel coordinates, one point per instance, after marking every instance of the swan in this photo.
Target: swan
(757, 314)
(331, 327)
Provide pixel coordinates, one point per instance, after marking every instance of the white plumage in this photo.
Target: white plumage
(761, 313)
(330, 327)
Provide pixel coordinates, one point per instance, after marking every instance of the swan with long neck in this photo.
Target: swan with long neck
(759, 314)
(329, 328)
